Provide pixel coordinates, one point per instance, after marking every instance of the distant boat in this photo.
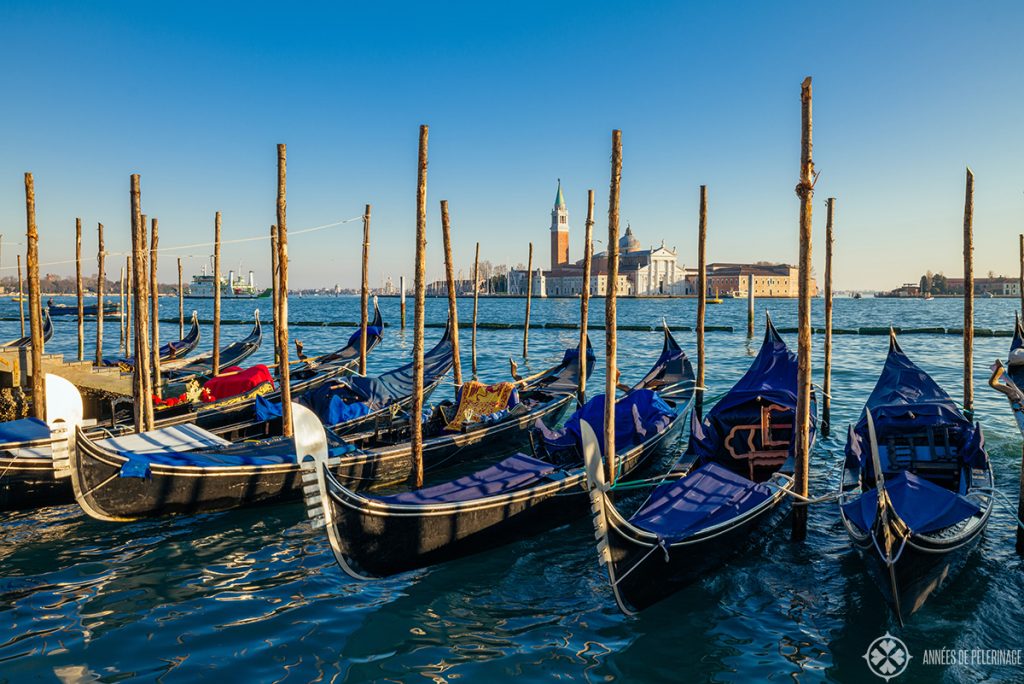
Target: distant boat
(57, 309)
(927, 298)
(232, 287)
(857, 295)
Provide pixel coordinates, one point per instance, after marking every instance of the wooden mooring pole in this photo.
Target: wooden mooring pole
(805, 191)
(529, 296)
(969, 295)
(401, 297)
(702, 296)
(364, 294)
(35, 310)
(588, 249)
(181, 304)
(281, 316)
(476, 302)
(101, 278)
(216, 293)
(21, 298)
(121, 340)
(78, 289)
(826, 390)
(416, 425)
(275, 282)
(140, 376)
(453, 315)
(750, 305)
(610, 318)
(154, 243)
(1020, 281)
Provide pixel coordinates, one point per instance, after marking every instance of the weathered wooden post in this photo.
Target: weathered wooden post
(78, 289)
(969, 295)
(476, 301)
(826, 390)
(401, 286)
(275, 272)
(610, 319)
(529, 296)
(21, 298)
(1020, 281)
(364, 295)
(216, 293)
(140, 285)
(101, 278)
(805, 191)
(121, 317)
(702, 295)
(416, 425)
(35, 303)
(181, 304)
(154, 243)
(129, 300)
(588, 242)
(453, 315)
(750, 305)
(281, 324)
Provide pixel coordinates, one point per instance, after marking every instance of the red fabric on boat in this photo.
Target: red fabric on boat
(233, 381)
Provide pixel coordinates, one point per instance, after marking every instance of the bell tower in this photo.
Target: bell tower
(559, 231)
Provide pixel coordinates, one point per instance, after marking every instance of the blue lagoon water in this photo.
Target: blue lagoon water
(255, 595)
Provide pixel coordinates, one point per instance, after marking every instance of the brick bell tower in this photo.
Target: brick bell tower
(559, 231)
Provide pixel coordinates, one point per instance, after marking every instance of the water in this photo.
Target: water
(256, 591)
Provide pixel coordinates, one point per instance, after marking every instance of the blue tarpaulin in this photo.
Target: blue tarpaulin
(512, 473)
(705, 497)
(638, 415)
(906, 400)
(771, 379)
(23, 430)
(922, 505)
(371, 332)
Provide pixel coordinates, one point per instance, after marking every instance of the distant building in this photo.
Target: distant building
(770, 280)
(1001, 286)
(641, 271)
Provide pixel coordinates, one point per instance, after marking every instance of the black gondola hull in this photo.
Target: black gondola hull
(389, 465)
(27, 483)
(376, 541)
(645, 575)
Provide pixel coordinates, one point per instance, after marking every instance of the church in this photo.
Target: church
(653, 271)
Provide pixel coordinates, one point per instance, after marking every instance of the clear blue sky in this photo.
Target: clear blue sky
(195, 97)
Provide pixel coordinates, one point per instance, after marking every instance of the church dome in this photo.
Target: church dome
(628, 242)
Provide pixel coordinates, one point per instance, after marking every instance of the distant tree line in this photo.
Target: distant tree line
(934, 283)
(61, 285)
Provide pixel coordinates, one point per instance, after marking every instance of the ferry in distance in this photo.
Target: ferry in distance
(232, 287)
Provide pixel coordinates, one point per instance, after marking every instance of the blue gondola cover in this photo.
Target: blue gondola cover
(637, 415)
(23, 430)
(704, 498)
(922, 505)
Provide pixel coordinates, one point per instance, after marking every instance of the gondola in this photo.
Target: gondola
(26, 342)
(186, 468)
(916, 490)
(111, 308)
(730, 483)
(380, 535)
(34, 464)
(358, 403)
(168, 352)
(1009, 379)
(238, 417)
(454, 435)
(231, 355)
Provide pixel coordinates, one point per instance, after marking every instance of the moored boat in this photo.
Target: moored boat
(26, 341)
(731, 482)
(168, 352)
(916, 490)
(379, 535)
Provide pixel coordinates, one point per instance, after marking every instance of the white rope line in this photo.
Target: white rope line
(253, 238)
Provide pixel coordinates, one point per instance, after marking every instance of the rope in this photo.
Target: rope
(253, 238)
(1006, 501)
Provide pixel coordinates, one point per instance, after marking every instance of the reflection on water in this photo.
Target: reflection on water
(186, 598)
